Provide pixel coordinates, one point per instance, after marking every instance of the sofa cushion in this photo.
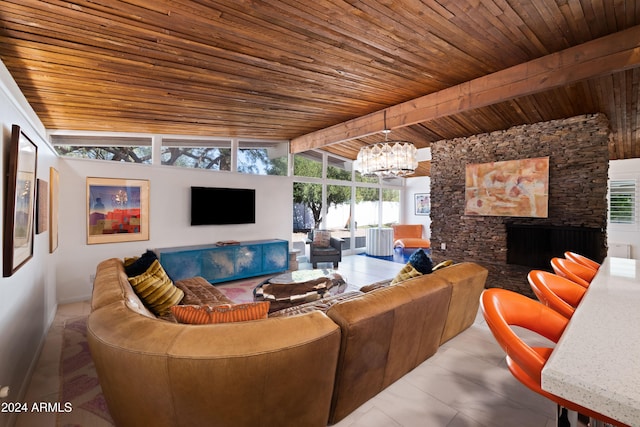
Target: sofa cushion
(197, 291)
(322, 305)
(419, 263)
(467, 281)
(156, 290)
(226, 313)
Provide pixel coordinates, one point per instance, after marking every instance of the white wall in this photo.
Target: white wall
(27, 298)
(414, 186)
(621, 233)
(169, 215)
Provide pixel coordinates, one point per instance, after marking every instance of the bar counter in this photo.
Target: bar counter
(596, 363)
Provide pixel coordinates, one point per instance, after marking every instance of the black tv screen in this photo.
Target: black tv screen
(214, 205)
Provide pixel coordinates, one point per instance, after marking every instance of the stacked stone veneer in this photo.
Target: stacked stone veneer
(578, 170)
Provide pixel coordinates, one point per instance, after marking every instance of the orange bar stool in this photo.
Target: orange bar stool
(581, 259)
(573, 271)
(556, 292)
(502, 309)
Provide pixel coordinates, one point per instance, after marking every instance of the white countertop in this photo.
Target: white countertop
(596, 363)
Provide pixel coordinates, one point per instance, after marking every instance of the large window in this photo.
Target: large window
(328, 194)
(622, 201)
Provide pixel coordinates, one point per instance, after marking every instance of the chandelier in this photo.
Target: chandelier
(388, 158)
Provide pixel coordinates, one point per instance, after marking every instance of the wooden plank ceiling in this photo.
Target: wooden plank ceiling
(300, 69)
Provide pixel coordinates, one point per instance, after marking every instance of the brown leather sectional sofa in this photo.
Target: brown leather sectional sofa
(312, 368)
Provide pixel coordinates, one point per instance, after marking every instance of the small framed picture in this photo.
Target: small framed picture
(42, 206)
(54, 191)
(117, 210)
(422, 203)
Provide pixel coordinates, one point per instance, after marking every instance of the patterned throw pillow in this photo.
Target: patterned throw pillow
(419, 263)
(156, 289)
(226, 313)
(322, 238)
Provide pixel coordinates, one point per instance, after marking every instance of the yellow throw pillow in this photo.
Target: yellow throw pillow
(407, 272)
(156, 290)
(443, 264)
(226, 313)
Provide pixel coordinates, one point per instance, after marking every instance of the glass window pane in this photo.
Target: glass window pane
(367, 208)
(393, 181)
(338, 169)
(390, 207)
(98, 147)
(116, 154)
(307, 205)
(339, 212)
(308, 164)
(263, 158)
(197, 154)
(363, 178)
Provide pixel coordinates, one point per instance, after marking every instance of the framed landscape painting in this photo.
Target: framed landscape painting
(20, 202)
(117, 210)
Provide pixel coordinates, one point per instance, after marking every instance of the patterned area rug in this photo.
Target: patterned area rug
(79, 383)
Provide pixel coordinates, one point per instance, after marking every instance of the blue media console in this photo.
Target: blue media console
(223, 263)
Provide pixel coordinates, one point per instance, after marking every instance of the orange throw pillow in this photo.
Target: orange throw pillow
(226, 313)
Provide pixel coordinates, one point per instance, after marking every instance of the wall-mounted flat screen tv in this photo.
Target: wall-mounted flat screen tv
(215, 206)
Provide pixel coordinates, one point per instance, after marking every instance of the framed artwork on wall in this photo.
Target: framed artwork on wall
(42, 207)
(117, 210)
(54, 188)
(508, 188)
(422, 202)
(20, 202)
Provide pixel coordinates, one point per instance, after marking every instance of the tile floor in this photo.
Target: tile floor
(465, 384)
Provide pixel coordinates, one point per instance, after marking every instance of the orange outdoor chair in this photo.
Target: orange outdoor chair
(573, 271)
(502, 309)
(581, 259)
(556, 292)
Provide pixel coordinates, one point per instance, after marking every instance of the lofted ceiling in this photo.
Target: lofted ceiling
(313, 71)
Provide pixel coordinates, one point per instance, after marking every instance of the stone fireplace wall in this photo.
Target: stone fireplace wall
(578, 170)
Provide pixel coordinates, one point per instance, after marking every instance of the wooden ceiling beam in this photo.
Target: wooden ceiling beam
(613, 53)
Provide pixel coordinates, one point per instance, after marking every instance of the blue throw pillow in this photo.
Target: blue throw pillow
(421, 261)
